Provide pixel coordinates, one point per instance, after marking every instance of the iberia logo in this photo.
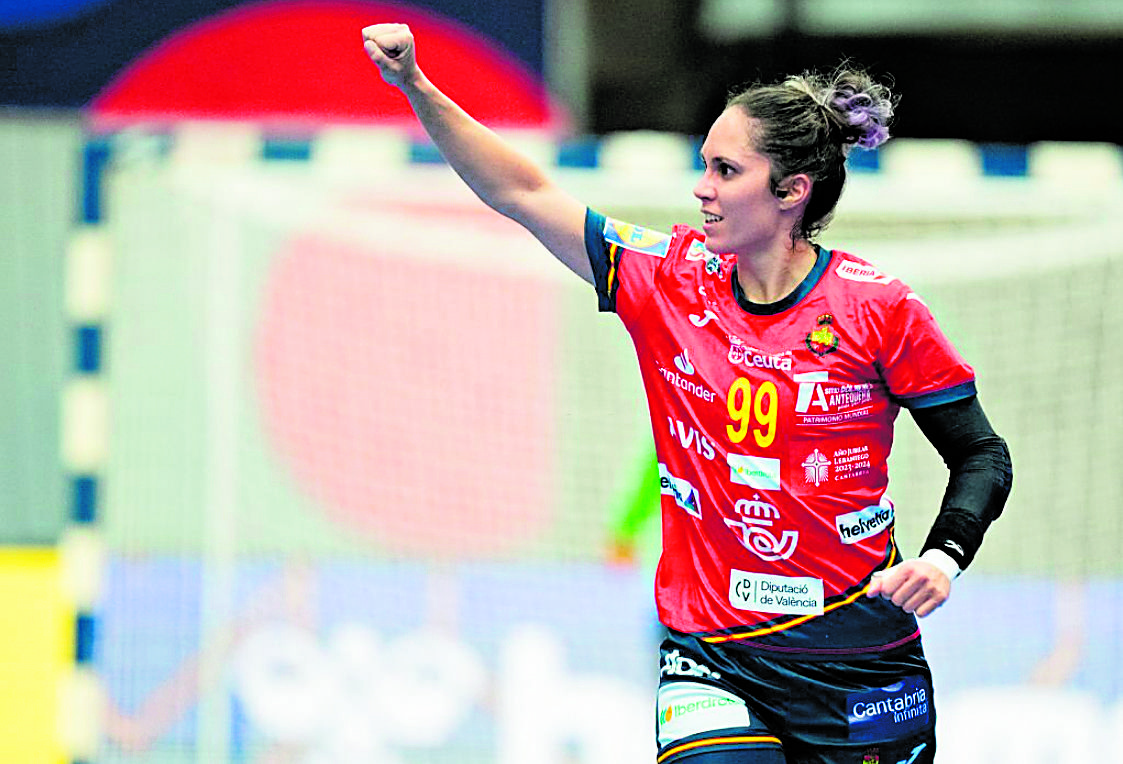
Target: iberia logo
(822, 339)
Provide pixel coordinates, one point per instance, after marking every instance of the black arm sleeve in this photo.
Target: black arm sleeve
(980, 480)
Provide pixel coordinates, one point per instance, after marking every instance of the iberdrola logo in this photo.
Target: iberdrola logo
(668, 713)
(822, 340)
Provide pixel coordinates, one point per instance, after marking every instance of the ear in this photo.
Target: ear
(794, 190)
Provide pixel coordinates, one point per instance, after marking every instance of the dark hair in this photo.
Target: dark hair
(809, 123)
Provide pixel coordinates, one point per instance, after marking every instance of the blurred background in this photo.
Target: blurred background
(309, 457)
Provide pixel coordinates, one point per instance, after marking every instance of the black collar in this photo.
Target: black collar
(822, 258)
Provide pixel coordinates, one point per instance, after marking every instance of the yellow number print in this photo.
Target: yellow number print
(745, 409)
(765, 409)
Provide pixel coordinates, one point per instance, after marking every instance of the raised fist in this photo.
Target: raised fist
(390, 47)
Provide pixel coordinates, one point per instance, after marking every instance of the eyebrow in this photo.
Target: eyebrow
(715, 158)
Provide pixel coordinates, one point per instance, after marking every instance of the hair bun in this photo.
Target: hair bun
(862, 107)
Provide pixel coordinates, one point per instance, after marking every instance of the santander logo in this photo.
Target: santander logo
(683, 364)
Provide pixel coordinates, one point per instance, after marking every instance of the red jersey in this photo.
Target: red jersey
(773, 426)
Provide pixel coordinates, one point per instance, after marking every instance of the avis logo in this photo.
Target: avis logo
(689, 437)
(756, 519)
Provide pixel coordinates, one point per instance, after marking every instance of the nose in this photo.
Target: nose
(704, 188)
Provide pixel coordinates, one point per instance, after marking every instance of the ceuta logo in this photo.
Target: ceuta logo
(871, 757)
(683, 364)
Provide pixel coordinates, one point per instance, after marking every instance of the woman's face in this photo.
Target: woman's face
(741, 214)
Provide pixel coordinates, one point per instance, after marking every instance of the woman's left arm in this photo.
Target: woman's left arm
(979, 483)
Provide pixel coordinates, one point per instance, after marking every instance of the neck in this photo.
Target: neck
(770, 276)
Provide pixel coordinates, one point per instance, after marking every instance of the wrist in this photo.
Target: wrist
(943, 562)
(416, 83)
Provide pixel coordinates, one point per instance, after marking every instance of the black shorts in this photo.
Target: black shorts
(870, 709)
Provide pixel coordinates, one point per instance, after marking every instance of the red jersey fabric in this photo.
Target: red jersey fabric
(773, 426)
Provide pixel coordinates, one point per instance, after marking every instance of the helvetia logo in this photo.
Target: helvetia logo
(865, 523)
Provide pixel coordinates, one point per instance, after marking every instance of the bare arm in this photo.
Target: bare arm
(500, 176)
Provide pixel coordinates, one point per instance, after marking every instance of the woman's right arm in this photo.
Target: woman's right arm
(500, 176)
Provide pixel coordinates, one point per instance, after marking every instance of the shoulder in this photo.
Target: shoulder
(635, 238)
(853, 269)
(865, 282)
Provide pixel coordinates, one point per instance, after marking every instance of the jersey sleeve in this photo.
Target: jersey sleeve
(625, 259)
(920, 365)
